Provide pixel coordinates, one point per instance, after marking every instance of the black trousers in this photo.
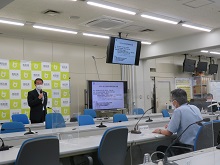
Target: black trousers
(174, 150)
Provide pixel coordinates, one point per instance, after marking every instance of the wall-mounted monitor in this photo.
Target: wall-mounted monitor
(123, 51)
(107, 95)
(213, 68)
(189, 65)
(201, 66)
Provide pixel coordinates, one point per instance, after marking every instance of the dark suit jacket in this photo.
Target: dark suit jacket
(37, 115)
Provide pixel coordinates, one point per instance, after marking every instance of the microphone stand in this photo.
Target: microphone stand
(165, 159)
(135, 130)
(29, 131)
(101, 125)
(149, 119)
(4, 147)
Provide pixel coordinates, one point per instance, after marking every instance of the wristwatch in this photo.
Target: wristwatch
(159, 131)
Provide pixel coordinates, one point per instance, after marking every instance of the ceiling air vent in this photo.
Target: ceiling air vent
(51, 12)
(106, 22)
(147, 30)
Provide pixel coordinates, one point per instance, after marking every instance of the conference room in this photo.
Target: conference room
(70, 45)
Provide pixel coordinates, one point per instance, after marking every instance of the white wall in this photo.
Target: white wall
(79, 57)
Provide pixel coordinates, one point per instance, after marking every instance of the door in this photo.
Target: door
(163, 88)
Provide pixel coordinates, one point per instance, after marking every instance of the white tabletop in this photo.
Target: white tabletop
(77, 146)
(79, 131)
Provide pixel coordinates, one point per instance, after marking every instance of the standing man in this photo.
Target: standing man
(183, 115)
(37, 101)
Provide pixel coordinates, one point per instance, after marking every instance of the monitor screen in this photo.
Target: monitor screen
(213, 68)
(123, 51)
(104, 95)
(189, 65)
(202, 66)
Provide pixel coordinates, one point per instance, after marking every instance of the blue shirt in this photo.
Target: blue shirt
(182, 117)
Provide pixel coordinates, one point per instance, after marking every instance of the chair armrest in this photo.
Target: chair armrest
(89, 159)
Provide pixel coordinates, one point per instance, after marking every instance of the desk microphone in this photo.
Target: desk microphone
(4, 147)
(101, 125)
(165, 159)
(135, 130)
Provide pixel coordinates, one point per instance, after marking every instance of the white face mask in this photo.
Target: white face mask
(39, 87)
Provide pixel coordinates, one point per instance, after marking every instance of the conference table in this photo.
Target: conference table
(17, 138)
(38, 126)
(78, 146)
(209, 156)
(76, 140)
(153, 116)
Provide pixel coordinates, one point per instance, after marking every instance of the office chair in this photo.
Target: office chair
(39, 151)
(119, 118)
(113, 146)
(204, 139)
(138, 111)
(54, 120)
(85, 120)
(216, 128)
(9, 127)
(165, 113)
(20, 118)
(90, 112)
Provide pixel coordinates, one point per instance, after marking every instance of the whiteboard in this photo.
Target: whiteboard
(214, 88)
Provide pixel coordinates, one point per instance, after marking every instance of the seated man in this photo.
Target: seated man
(183, 115)
(210, 105)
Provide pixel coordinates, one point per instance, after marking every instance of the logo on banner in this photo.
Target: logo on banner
(56, 75)
(4, 104)
(46, 66)
(4, 74)
(15, 94)
(64, 67)
(4, 64)
(25, 65)
(15, 74)
(65, 84)
(56, 94)
(4, 84)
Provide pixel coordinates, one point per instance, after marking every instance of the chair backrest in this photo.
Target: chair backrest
(119, 118)
(165, 113)
(204, 137)
(113, 146)
(54, 120)
(39, 151)
(20, 118)
(90, 112)
(138, 111)
(9, 127)
(85, 120)
(216, 128)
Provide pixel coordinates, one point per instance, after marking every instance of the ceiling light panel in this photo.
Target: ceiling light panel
(204, 51)
(53, 28)
(215, 52)
(160, 18)
(95, 35)
(197, 27)
(145, 43)
(111, 6)
(11, 22)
